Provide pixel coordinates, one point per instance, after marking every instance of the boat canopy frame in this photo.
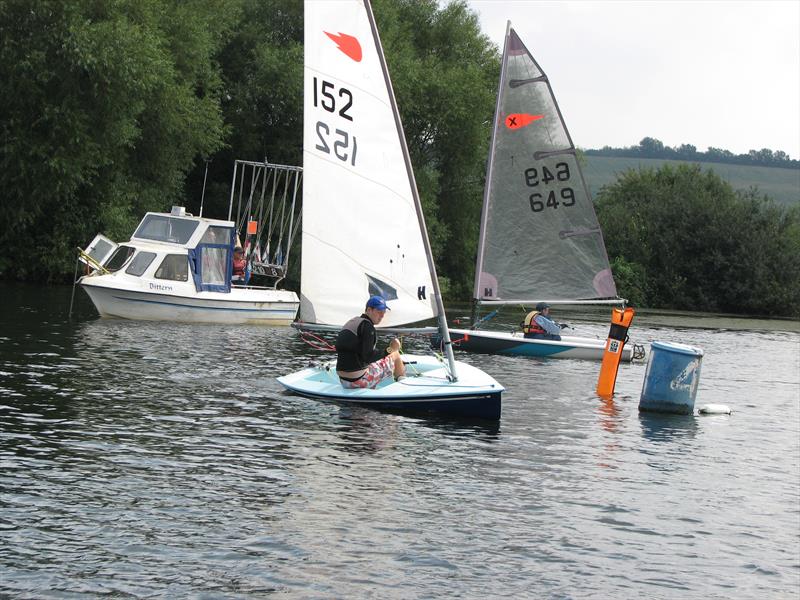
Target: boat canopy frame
(266, 216)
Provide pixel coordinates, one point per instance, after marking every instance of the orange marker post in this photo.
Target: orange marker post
(617, 336)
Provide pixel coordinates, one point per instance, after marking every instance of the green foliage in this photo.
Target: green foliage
(689, 241)
(105, 105)
(631, 281)
(653, 148)
(262, 100)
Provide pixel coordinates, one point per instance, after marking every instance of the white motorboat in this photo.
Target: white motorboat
(178, 267)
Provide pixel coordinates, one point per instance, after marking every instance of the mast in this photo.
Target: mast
(437, 294)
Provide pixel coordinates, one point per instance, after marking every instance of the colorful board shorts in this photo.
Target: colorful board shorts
(375, 373)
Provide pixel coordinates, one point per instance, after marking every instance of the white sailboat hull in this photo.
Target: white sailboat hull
(516, 344)
(426, 389)
(114, 297)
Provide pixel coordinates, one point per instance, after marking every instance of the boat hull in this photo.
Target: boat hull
(240, 306)
(515, 344)
(426, 389)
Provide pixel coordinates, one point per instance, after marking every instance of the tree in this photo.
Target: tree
(651, 148)
(700, 245)
(262, 99)
(104, 106)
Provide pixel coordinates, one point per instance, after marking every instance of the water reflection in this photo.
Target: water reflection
(659, 428)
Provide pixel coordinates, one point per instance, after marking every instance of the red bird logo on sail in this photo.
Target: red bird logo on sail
(347, 44)
(519, 120)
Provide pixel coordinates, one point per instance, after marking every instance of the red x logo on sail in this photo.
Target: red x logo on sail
(519, 120)
(347, 44)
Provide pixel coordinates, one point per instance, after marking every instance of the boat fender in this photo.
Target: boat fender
(714, 409)
(617, 337)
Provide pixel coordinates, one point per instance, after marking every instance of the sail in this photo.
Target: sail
(540, 238)
(361, 234)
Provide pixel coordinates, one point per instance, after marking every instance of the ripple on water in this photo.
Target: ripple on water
(165, 460)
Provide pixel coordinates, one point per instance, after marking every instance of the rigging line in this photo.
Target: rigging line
(239, 203)
(282, 218)
(316, 341)
(248, 207)
(265, 176)
(253, 183)
(297, 177)
(275, 175)
(270, 174)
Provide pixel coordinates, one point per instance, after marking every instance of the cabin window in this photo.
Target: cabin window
(119, 258)
(215, 265)
(100, 250)
(161, 228)
(174, 267)
(217, 235)
(140, 263)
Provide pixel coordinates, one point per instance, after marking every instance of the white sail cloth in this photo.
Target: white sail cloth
(361, 234)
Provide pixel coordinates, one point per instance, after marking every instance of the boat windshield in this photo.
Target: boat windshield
(165, 228)
(119, 258)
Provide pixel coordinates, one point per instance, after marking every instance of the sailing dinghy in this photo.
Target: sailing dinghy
(363, 230)
(540, 240)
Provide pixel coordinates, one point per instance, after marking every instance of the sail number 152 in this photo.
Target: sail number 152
(333, 140)
(548, 198)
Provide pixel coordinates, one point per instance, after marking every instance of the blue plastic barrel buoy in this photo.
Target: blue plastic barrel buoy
(671, 378)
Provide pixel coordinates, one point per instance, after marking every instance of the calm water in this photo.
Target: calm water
(149, 460)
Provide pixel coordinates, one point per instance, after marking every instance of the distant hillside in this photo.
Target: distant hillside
(783, 185)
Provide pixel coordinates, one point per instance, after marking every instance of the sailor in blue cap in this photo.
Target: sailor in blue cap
(359, 364)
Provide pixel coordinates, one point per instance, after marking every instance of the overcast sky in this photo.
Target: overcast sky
(708, 73)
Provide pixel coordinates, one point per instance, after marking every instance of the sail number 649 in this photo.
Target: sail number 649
(534, 177)
(538, 203)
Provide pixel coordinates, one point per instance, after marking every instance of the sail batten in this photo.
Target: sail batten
(539, 235)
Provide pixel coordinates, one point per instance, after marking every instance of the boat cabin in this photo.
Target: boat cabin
(171, 247)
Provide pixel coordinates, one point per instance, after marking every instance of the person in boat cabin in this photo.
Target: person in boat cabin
(539, 325)
(359, 364)
(239, 264)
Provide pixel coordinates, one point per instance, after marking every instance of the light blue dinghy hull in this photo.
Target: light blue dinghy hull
(426, 389)
(515, 344)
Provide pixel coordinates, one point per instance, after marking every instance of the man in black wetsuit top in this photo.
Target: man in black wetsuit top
(359, 364)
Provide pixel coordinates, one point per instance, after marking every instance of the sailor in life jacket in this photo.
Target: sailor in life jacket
(539, 325)
(359, 363)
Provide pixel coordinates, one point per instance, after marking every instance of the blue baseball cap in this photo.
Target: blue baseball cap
(377, 303)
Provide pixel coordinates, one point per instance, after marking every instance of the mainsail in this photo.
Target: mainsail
(539, 238)
(361, 232)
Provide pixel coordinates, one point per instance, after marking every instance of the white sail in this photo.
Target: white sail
(540, 238)
(361, 233)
